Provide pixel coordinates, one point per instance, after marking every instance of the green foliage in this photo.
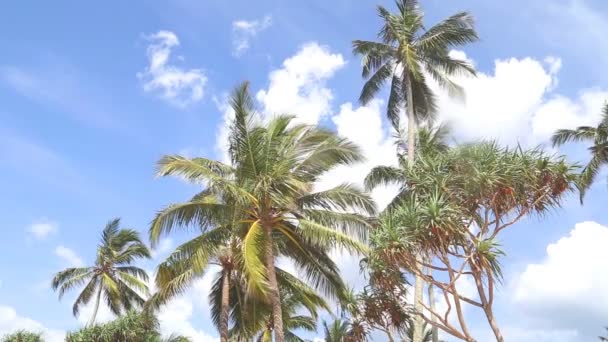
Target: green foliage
(452, 207)
(132, 327)
(265, 197)
(23, 336)
(408, 53)
(598, 137)
(113, 276)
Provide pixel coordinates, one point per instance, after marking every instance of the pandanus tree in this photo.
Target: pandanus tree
(432, 141)
(598, 137)
(270, 180)
(409, 56)
(451, 210)
(113, 276)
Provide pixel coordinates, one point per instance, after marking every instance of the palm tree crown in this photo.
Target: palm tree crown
(598, 136)
(270, 182)
(407, 55)
(122, 285)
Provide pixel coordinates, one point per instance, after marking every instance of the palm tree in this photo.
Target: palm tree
(298, 314)
(407, 55)
(270, 180)
(112, 275)
(427, 334)
(216, 245)
(598, 136)
(337, 331)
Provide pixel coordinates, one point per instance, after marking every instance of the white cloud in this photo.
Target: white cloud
(568, 290)
(42, 229)
(177, 86)
(10, 322)
(165, 246)
(243, 31)
(517, 102)
(499, 105)
(298, 88)
(86, 312)
(365, 127)
(69, 256)
(176, 317)
(221, 139)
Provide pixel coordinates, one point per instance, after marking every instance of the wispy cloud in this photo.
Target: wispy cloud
(41, 229)
(243, 31)
(69, 256)
(179, 87)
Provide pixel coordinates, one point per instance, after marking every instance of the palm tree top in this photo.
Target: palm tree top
(123, 285)
(407, 54)
(598, 137)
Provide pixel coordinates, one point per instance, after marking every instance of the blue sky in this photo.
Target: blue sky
(84, 116)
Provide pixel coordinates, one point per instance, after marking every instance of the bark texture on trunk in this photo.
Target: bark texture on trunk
(97, 300)
(431, 295)
(411, 156)
(224, 315)
(275, 296)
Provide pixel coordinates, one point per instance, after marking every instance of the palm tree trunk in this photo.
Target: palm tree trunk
(431, 295)
(96, 308)
(411, 157)
(275, 296)
(225, 306)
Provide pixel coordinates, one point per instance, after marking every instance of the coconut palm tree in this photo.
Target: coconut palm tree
(216, 245)
(271, 178)
(407, 55)
(113, 275)
(598, 137)
(298, 315)
(337, 331)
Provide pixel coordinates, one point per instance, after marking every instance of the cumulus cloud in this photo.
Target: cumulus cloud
(41, 229)
(365, 127)
(174, 84)
(299, 86)
(69, 256)
(176, 318)
(11, 321)
(244, 31)
(568, 290)
(517, 102)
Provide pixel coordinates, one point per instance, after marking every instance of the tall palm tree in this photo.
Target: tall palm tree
(274, 168)
(407, 54)
(215, 245)
(598, 137)
(113, 275)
